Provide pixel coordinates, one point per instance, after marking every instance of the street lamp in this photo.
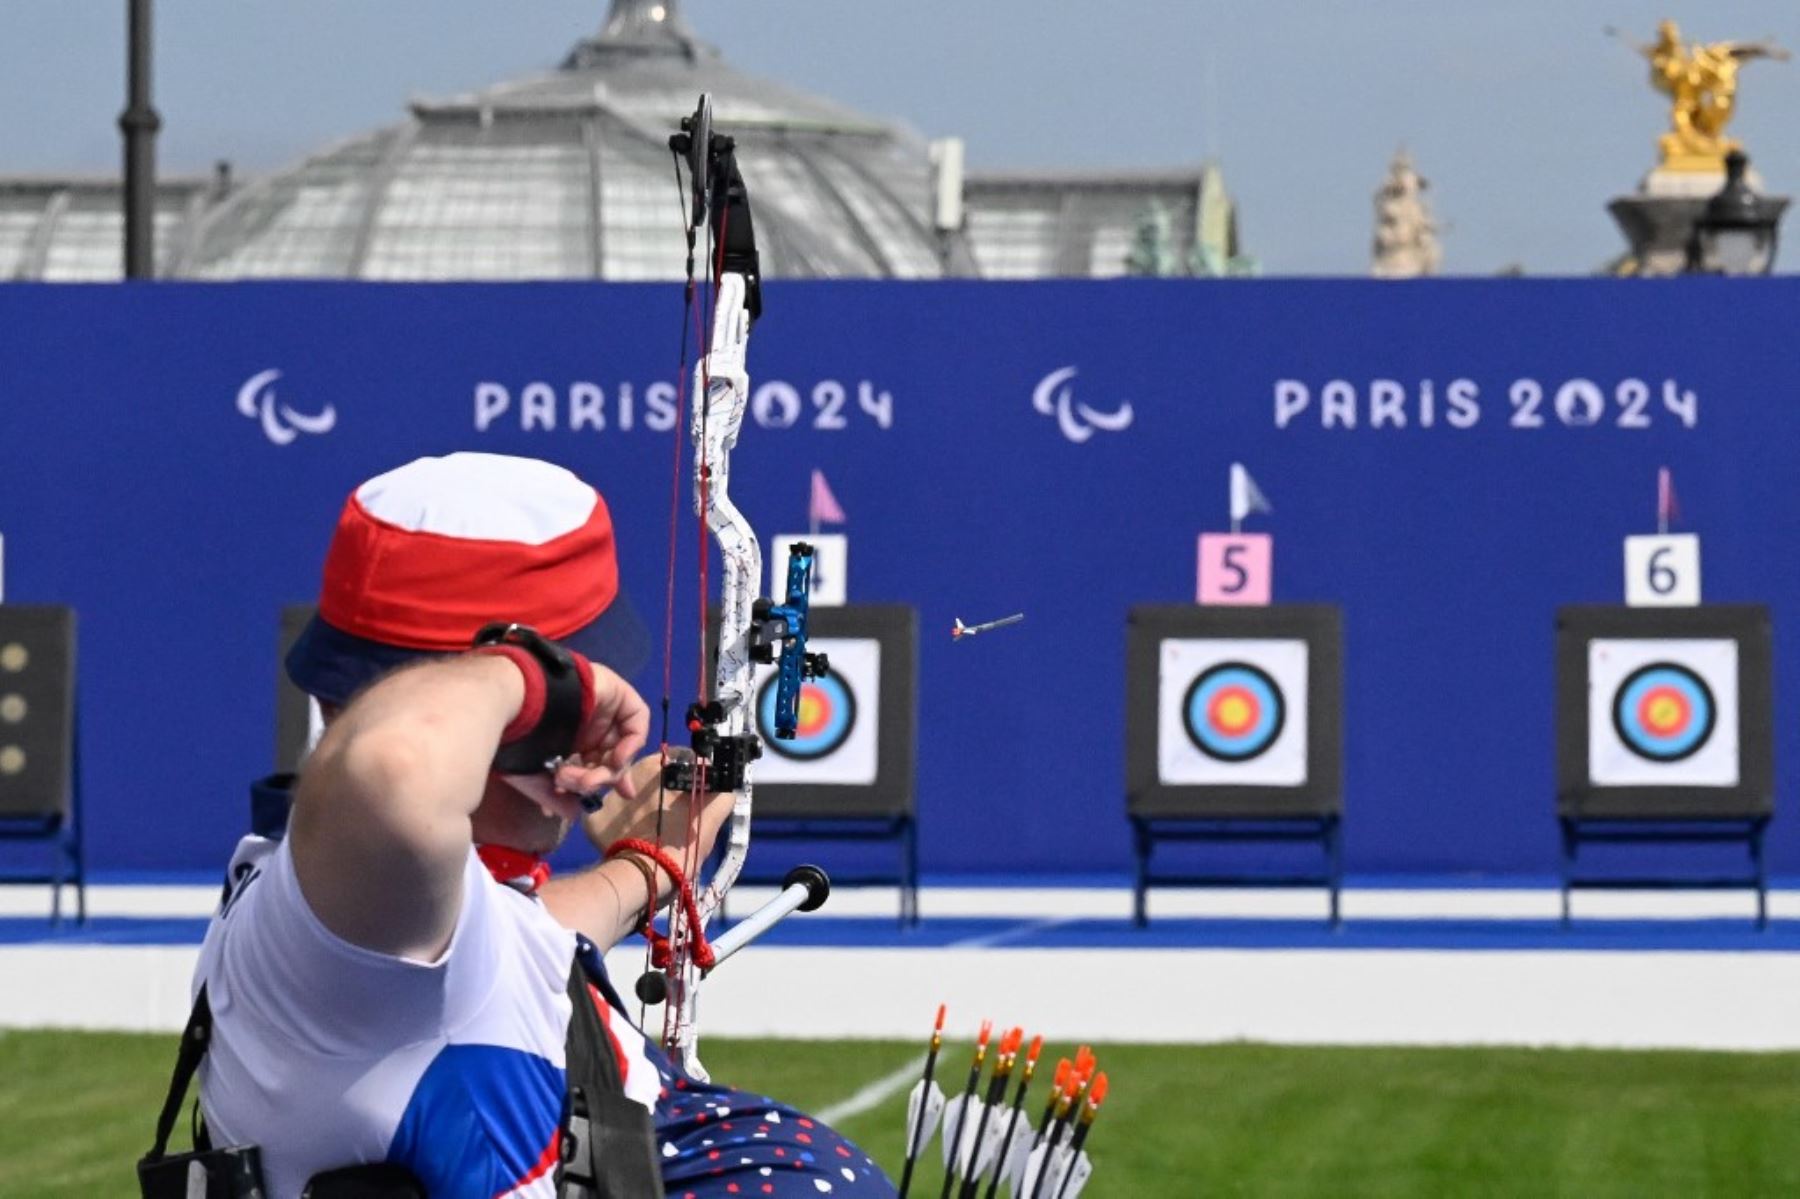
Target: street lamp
(1736, 232)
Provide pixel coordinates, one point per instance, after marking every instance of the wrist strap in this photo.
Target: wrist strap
(559, 698)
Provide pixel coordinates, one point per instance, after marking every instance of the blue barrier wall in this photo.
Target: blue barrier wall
(1449, 461)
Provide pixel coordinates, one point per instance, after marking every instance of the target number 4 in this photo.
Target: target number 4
(1662, 571)
(1235, 568)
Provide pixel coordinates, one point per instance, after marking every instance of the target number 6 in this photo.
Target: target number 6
(1662, 571)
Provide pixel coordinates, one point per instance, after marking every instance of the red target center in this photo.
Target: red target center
(1232, 711)
(815, 711)
(1665, 711)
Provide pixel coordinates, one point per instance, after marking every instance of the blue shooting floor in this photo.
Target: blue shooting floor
(1051, 931)
(1718, 935)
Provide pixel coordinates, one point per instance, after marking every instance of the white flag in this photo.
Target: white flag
(1246, 497)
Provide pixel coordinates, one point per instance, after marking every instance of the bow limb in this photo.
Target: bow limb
(722, 722)
(716, 426)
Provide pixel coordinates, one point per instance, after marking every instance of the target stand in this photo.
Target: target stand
(849, 773)
(40, 760)
(1233, 733)
(1664, 734)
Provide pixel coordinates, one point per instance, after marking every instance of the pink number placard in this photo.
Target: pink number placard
(1235, 568)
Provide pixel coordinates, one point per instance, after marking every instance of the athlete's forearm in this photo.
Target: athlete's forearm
(604, 903)
(380, 829)
(443, 718)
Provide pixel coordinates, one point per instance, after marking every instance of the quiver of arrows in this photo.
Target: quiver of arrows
(986, 1142)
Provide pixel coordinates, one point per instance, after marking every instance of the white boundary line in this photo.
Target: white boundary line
(875, 1094)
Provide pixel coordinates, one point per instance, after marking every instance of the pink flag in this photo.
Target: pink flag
(824, 505)
(1666, 507)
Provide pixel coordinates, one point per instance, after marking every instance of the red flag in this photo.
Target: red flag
(1666, 507)
(824, 506)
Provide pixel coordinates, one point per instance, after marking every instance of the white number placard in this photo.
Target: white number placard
(831, 567)
(1662, 571)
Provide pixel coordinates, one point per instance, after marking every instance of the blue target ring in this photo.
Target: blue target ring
(1234, 711)
(827, 713)
(1664, 712)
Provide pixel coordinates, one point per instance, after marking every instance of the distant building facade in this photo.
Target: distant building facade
(566, 175)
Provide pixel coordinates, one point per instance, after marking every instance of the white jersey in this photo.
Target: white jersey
(326, 1054)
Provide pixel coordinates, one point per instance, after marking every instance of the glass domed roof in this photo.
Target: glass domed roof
(568, 175)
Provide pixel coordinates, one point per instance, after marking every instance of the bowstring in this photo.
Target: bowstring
(681, 383)
(705, 314)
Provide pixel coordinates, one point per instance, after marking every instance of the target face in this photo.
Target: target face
(836, 734)
(1233, 712)
(826, 714)
(1663, 712)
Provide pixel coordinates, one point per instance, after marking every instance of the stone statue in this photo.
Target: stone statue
(1208, 249)
(1701, 83)
(1152, 251)
(1406, 234)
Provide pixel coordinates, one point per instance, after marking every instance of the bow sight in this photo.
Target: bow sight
(777, 635)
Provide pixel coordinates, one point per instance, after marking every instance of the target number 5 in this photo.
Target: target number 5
(1662, 571)
(1235, 568)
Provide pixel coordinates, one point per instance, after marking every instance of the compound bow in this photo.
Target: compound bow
(722, 721)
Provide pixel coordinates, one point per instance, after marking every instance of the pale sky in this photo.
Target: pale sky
(1523, 115)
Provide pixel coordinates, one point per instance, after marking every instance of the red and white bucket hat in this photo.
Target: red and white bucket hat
(425, 555)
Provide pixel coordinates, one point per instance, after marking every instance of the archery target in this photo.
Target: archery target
(1232, 712)
(1663, 712)
(835, 736)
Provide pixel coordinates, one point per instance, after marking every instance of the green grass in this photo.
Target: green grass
(77, 1109)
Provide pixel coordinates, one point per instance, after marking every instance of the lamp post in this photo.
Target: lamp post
(1735, 233)
(139, 124)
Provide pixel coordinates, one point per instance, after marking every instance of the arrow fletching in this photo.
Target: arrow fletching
(959, 1132)
(988, 1151)
(924, 1107)
(1078, 1175)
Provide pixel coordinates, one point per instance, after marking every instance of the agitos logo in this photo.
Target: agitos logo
(1055, 396)
(280, 424)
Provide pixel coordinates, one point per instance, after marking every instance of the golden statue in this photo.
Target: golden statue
(1701, 82)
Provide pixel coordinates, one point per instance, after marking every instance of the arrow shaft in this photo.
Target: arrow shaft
(1075, 1144)
(962, 1118)
(1037, 1185)
(995, 1092)
(915, 1136)
(1012, 1127)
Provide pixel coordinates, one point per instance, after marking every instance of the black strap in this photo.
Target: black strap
(609, 1148)
(194, 1040)
(564, 688)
